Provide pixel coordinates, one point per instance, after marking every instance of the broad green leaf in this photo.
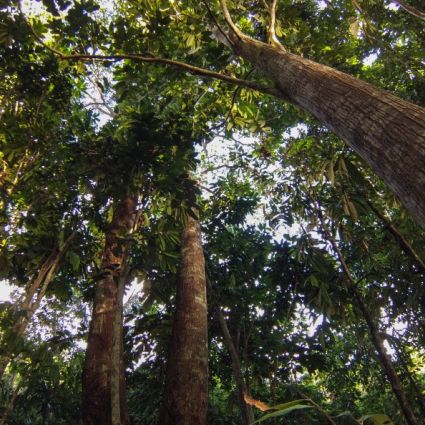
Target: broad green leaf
(377, 419)
(282, 412)
(288, 404)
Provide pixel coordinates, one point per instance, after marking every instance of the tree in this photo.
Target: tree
(33, 296)
(308, 301)
(371, 121)
(99, 365)
(186, 386)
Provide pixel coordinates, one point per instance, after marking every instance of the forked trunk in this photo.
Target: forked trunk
(386, 131)
(98, 367)
(186, 386)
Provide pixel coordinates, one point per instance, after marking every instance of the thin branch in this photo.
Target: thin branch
(218, 167)
(201, 186)
(317, 407)
(229, 21)
(182, 65)
(410, 9)
(232, 103)
(271, 30)
(404, 243)
(195, 70)
(33, 32)
(99, 106)
(356, 6)
(377, 340)
(201, 72)
(216, 24)
(101, 96)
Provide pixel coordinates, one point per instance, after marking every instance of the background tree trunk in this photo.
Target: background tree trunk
(97, 372)
(246, 410)
(386, 131)
(34, 294)
(186, 384)
(375, 335)
(119, 407)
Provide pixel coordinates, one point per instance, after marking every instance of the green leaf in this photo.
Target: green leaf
(288, 404)
(377, 419)
(74, 260)
(282, 412)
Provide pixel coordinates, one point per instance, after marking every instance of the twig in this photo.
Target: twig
(103, 102)
(232, 103)
(224, 34)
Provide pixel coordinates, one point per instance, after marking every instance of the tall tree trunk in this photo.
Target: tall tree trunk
(34, 294)
(98, 366)
(118, 389)
(246, 410)
(386, 131)
(186, 383)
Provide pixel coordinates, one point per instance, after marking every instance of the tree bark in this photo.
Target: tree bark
(386, 131)
(246, 410)
(186, 383)
(34, 294)
(98, 365)
(119, 409)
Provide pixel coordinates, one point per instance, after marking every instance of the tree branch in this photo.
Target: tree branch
(195, 70)
(216, 24)
(201, 72)
(229, 21)
(403, 242)
(271, 30)
(410, 9)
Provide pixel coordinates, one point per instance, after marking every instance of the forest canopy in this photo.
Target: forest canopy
(212, 212)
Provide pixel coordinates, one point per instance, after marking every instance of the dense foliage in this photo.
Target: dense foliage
(300, 236)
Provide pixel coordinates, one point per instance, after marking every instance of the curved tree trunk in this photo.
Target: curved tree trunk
(386, 131)
(186, 383)
(98, 365)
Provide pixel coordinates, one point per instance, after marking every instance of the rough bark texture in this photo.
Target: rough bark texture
(246, 410)
(119, 406)
(186, 386)
(98, 366)
(387, 132)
